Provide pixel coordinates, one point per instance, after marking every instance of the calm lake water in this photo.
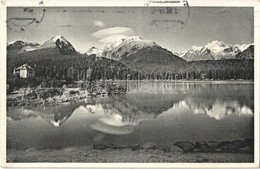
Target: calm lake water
(177, 112)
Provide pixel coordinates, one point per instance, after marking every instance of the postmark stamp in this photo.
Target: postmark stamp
(30, 17)
(168, 17)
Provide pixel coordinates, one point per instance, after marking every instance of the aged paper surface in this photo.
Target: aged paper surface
(129, 83)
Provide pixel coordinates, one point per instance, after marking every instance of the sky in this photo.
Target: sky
(176, 29)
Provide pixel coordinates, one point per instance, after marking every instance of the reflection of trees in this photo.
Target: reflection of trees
(56, 114)
(19, 114)
(217, 109)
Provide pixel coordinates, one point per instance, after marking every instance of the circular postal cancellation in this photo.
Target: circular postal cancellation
(169, 14)
(25, 18)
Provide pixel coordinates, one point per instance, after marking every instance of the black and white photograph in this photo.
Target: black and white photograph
(130, 84)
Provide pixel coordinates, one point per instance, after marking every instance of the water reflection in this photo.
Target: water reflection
(218, 110)
(210, 114)
(127, 111)
(115, 115)
(56, 115)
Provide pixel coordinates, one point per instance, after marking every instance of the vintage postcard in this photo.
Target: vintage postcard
(129, 83)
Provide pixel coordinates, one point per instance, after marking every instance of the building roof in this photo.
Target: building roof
(24, 67)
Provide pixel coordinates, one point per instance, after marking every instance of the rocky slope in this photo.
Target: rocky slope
(248, 53)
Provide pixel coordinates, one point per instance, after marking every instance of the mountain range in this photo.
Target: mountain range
(217, 50)
(57, 42)
(57, 59)
(20, 46)
(127, 49)
(135, 54)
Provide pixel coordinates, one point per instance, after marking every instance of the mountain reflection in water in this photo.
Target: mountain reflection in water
(139, 117)
(123, 111)
(114, 115)
(217, 110)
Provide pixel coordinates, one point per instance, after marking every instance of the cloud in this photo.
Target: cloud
(112, 38)
(112, 31)
(99, 24)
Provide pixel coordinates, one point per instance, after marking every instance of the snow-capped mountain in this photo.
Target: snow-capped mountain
(143, 55)
(216, 50)
(58, 42)
(197, 53)
(20, 46)
(126, 46)
(94, 51)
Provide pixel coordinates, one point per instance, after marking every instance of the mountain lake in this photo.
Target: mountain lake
(213, 111)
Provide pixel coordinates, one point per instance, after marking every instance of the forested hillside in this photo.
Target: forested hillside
(51, 64)
(132, 58)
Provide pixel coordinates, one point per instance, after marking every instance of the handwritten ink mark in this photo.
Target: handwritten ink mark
(120, 12)
(29, 10)
(186, 4)
(65, 26)
(43, 14)
(146, 4)
(100, 11)
(156, 22)
(3, 2)
(18, 24)
(41, 3)
(167, 10)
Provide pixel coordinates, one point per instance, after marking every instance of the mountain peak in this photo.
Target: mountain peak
(56, 38)
(60, 42)
(217, 45)
(126, 46)
(16, 42)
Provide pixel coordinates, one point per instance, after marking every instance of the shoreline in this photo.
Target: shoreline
(48, 96)
(148, 152)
